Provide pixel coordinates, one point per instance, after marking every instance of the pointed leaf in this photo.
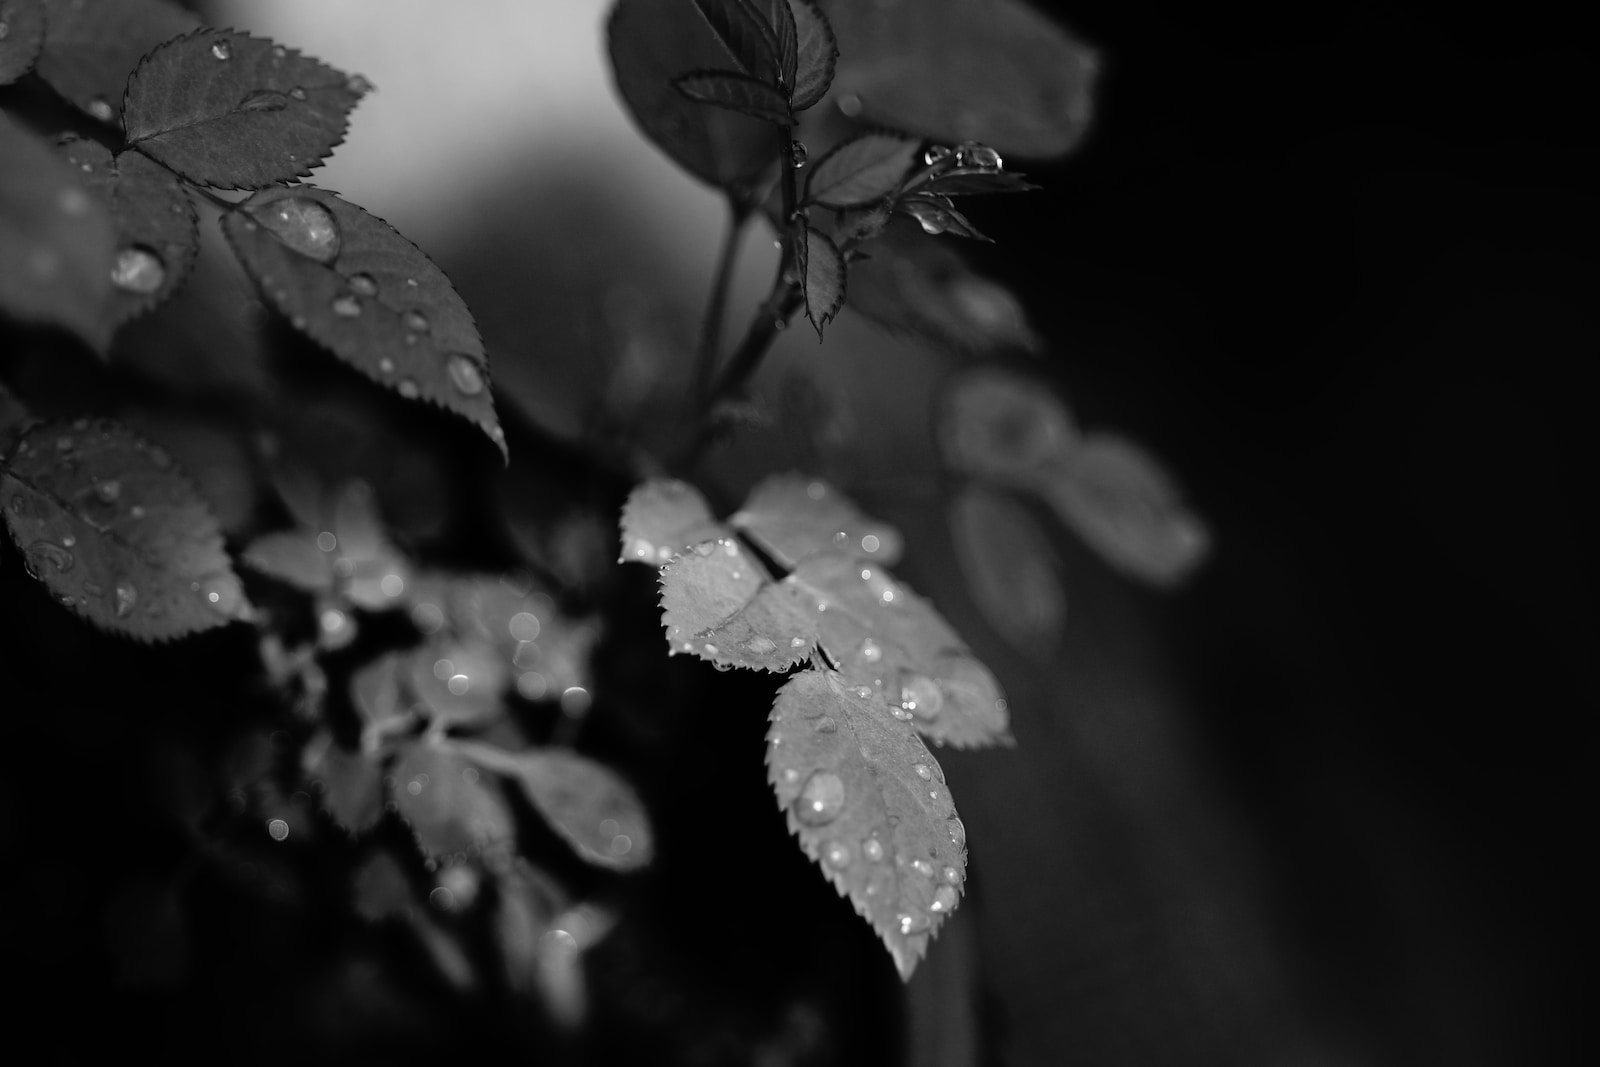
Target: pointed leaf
(780, 16)
(936, 214)
(348, 785)
(449, 803)
(1010, 569)
(292, 557)
(663, 517)
(816, 54)
(1129, 510)
(972, 182)
(57, 241)
(1005, 427)
(736, 92)
(746, 35)
(713, 589)
(585, 802)
(92, 46)
(117, 533)
(651, 42)
(822, 270)
(964, 69)
(862, 170)
(792, 517)
(155, 221)
(236, 111)
(869, 805)
(22, 38)
(367, 294)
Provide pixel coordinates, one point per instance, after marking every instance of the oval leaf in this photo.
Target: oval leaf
(862, 170)
(117, 533)
(348, 785)
(869, 804)
(816, 53)
(663, 517)
(292, 557)
(936, 215)
(367, 294)
(822, 268)
(22, 38)
(736, 92)
(1005, 427)
(236, 111)
(1129, 510)
(959, 70)
(57, 241)
(1010, 569)
(711, 609)
(449, 803)
(92, 46)
(459, 683)
(792, 517)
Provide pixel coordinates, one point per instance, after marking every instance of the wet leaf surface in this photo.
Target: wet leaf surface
(822, 271)
(1009, 565)
(791, 517)
(450, 804)
(816, 54)
(862, 170)
(92, 46)
(663, 517)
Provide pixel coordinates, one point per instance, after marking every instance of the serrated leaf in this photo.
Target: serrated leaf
(714, 588)
(586, 802)
(822, 271)
(958, 70)
(736, 92)
(862, 170)
(969, 181)
(448, 802)
(780, 17)
(357, 287)
(937, 215)
(92, 46)
(292, 557)
(868, 802)
(154, 218)
(57, 241)
(745, 34)
(1005, 427)
(348, 785)
(459, 683)
(651, 42)
(1129, 510)
(22, 39)
(816, 53)
(235, 111)
(1009, 567)
(662, 517)
(790, 517)
(117, 533)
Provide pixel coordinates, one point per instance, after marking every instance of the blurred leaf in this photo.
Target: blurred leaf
(862, 170)
(375, 573)
(747, 36)
(57, 241)
(1005, 427)
(459, 684)
(662, 517)
(716, 584)
(869, 805)
(367, 294)
(816, 54)
(736, 92)
(790, 517)
(92, 46)
(822, 271)
(1129, 510)
(348, 785)
(154, 219)
(292, 557)
(375, 696)
(527, 902)
(22, 39)
(1009, 567)
(381, 889)
(936, 215)
(448, 803)
(651, 42)
(117, 533)
(236, 111)
(584, 801)
(957, 70)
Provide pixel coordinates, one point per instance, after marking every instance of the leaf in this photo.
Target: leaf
(746, 35)
(816, 54)
(713, 589)
(367, 294)
(924, 289)
(450, 806)
(57, 243)
(791, 517)
(862, 170)
(1005, 427)
(292, 557)
(21, 39)
(348, 785)
(375, 696)
(13, 417)
(869, 805)
(585, 802)
(236, 111)
(936, 214)
(737, 92)
(1009, 567)
(1129, 510)
(822, 270)
(662, 517)
(154, 219)
(459, 683)
(651, 42)
(92, 46)
(117, 533)
(962, 69)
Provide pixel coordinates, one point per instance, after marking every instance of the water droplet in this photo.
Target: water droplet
(836, 854)
(912, 924)
(41, 553)
(921, 770)
(872, 848)
(304, 225)
(899, 713)
(108, 490)
(100, 109)
(826, 725)
(297, 93)
(277, 828)
(127, 596)
(849, 105)
(952, 876)
(136, 512)
(279, 52)
(138, 270)
(978, 155)
(68, 541)
(711, 650)
(465, 374)
(922, 867)
(409, 389)
(760, 646)
(264, 100)
(921, 696)
(346, 306)
(363, 285)
(459, 684)
(222, 49)
(524, 626)
(936, 153)
(797, 154)
(705, 548)
(357, 84)
(224, 595)
(797, 642)
(386, 365)
(416, 322)
(944, 898)
(862, 691)
(870, 651)
(958, 831)
(821, 799)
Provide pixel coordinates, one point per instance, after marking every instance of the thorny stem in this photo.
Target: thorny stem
(711, 327)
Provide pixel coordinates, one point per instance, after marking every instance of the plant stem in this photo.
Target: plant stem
(716, 306)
